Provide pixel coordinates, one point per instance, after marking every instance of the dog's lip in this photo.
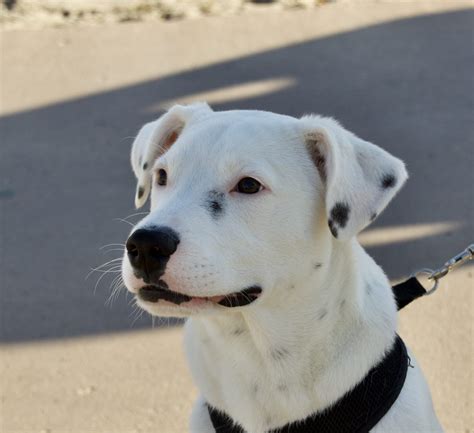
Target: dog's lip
(160, 291)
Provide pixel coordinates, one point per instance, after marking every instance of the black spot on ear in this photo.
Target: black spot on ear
(238, 331)
(145, 166)
(338, 217)
(215, 203)
(388, 181)
(317, 265)
(333, 228)
(141, 191)
(373, 216)
(340, 214)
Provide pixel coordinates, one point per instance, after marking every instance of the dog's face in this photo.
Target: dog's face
(244, 204)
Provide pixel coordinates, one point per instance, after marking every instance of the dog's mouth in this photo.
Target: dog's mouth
(160, 291)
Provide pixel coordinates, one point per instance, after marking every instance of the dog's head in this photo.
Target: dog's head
(244, 203)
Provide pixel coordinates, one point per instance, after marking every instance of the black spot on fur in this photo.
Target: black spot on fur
(333, 228)
(342, 303)
(216, 207)
(317, 265)
(388, 181)
(255, 388)
(145, 166)
(370, 288)
(141, 191)
(339, 217)
(279, 353)
(322, 314)
(340, 214)
(238, 331)
(373, 216)
(215, 203)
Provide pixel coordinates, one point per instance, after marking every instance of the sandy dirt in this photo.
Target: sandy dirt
(15, 14)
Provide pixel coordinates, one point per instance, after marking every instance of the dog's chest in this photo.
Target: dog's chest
(261, 388)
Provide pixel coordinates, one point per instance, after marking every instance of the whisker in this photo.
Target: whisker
(100, 279)
(124, 221)
(116, 249)
(128, 138)
(138, 314)
(111, 245)
(247, 297)
(107, 263)
(119, 285)
(136, 214)
(100, 268)
(116, 285)
(113, 270)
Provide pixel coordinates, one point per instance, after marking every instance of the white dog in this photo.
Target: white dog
(251, 235)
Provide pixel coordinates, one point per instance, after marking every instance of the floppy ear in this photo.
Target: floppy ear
(360, 178)
(155, 138)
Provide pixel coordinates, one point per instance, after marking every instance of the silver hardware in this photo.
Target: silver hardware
(437, 274)
(428, 272)
(457, 260)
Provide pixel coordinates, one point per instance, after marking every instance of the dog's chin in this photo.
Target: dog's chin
(158, 300)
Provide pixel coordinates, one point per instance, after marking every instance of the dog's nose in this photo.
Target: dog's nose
(149, 250)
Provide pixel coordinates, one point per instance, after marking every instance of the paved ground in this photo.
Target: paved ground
(397, 74)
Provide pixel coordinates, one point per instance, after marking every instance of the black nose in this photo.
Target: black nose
(150, 249)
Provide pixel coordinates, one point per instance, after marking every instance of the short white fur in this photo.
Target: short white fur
(326, 314)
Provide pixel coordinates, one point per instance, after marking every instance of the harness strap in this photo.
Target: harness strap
(365, 405)
(357, 412)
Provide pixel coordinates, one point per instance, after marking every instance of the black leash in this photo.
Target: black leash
(412, 289)
(366, 404)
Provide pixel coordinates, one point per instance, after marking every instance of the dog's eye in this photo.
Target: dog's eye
(162, 177)
(249, 185)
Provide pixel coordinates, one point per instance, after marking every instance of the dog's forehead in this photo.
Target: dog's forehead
(235, 135)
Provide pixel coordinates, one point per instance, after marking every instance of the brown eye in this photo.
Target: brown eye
(248, 185)
(161, 177)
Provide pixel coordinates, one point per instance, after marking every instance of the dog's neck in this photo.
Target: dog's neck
(312, 344)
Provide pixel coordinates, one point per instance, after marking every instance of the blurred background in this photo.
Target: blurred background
(79, 78)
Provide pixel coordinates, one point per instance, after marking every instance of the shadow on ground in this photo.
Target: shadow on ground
(405, 85)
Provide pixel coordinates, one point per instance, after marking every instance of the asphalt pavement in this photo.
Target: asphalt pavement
(397, 74)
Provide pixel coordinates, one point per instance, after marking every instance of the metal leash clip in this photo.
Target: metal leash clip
(436, 275)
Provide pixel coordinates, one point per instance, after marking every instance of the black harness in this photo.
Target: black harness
(365, 405)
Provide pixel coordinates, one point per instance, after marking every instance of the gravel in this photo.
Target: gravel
(59, 13)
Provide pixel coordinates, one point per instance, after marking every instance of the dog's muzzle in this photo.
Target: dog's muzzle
(149, 250)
